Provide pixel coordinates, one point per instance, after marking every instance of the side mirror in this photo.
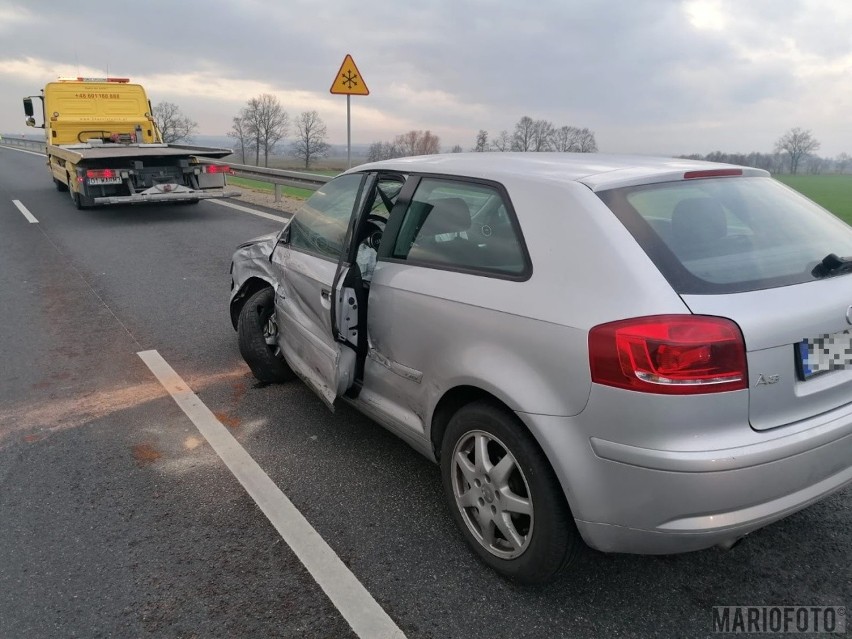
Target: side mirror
(31, 121)
(28, 110)
(283, 237)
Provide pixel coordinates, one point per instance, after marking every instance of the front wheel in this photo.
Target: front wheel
(505, 497)
(257, 334)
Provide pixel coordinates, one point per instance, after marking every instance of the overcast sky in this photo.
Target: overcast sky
(647, 76)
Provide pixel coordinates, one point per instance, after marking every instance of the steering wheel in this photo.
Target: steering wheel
(373, 231)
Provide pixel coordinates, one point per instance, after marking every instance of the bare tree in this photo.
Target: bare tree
(481, 141)
(267, 123)
(502, 142)
(240, 132)
(522, 138)
(570, 139)
(383, 151)
(563, 139)
(798, 144)
(457, 149)
(310, 138)
(542, 135)
(585, 141)
(418, 143)
(841, 162)
(174, 126)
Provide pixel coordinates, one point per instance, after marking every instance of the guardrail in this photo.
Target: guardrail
(276, 177)
(23, 142)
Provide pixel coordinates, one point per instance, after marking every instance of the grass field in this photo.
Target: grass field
(834, 192)
(266, 186)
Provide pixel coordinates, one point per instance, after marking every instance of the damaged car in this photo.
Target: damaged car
(641, 355)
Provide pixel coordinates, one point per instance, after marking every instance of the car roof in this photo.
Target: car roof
(598, 171)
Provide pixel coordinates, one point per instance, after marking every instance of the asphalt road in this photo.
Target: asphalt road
(117, 519)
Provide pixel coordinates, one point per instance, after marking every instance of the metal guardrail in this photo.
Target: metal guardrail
(276, 177)
(23, 142)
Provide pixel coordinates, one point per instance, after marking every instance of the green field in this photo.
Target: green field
(833, 192)
(266, 186)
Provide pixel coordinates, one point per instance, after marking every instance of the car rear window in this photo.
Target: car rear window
(729, 235)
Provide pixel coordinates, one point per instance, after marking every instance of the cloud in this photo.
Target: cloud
(653, 75)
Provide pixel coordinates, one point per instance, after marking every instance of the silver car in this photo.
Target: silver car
(645, 355)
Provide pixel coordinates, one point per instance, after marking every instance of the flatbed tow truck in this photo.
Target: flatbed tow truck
(103, 146)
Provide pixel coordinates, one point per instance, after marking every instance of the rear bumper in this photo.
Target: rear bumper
(178, 196)
(630, 499)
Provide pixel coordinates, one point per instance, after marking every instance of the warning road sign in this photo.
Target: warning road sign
(348, 80)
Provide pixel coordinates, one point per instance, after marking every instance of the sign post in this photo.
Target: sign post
(349, 82)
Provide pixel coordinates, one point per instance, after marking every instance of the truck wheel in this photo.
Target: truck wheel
(80, 201)
(257, 333)
(60, 185)
(505, 497)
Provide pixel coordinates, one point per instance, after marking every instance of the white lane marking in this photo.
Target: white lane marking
(12, 148)
(25, 212)
(246, 209)
(361, 611)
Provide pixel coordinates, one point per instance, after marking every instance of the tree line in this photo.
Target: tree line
(257, 130)
(794, 152)
(528, 135)
(262, 123)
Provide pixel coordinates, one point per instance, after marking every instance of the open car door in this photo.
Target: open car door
(317, 300)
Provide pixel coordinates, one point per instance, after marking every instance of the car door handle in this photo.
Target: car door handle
(325, 293)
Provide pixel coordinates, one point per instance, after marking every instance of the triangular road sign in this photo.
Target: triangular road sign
(348, 80)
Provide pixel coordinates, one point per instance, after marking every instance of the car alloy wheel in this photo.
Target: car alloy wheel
(492, 494)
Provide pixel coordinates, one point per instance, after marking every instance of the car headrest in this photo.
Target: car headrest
(698, 220)
(448, 215)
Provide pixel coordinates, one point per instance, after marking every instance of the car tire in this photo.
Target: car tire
(488, 496)
(255, 325)
(60, 185)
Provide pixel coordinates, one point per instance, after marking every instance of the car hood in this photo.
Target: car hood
(255, 248)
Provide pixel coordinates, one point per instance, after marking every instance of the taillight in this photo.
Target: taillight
(217, 168)
(101, 173)
(669, 354)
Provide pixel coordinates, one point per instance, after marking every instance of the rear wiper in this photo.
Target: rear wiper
(832, 265)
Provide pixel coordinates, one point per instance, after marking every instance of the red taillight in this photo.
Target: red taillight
(101, 173)
(669, 354)
(709, 173)
(217, 168)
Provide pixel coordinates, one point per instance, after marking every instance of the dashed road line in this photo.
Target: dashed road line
(245, 209)
(25, 212)
(361, 611)
(12, 148)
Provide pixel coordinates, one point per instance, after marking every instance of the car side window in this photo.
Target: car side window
(460, 225)
(320, 225)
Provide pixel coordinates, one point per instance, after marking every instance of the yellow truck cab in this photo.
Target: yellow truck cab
(104, 147)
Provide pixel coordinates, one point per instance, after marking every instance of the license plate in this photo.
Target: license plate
(95, 181)
(826, 353)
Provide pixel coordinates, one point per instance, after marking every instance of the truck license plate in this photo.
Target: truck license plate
(115, 180)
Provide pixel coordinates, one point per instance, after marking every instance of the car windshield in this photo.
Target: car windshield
(729, 235)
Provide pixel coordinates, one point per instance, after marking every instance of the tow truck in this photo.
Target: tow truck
(104, 147)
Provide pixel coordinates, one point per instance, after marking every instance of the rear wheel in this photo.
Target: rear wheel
(80, 201)
(60, 185)
(505, 497)
(257, 333)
